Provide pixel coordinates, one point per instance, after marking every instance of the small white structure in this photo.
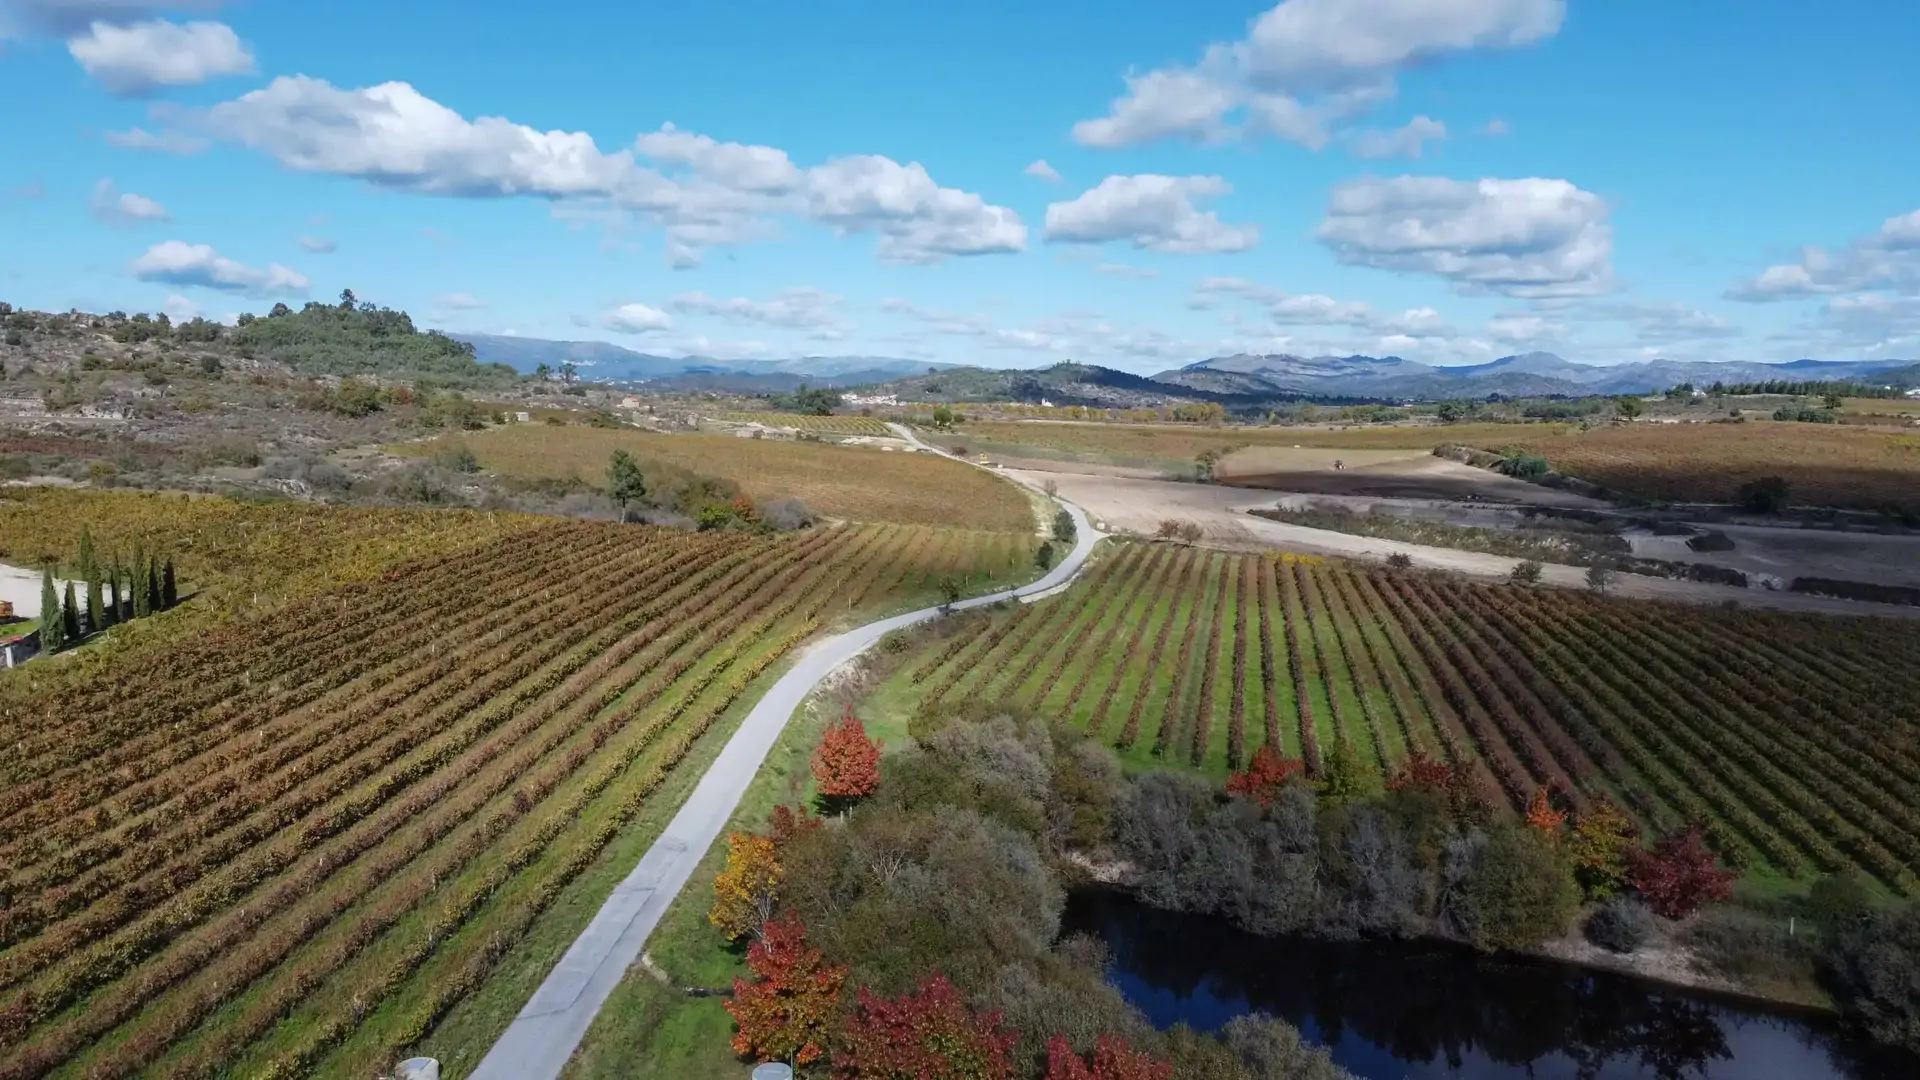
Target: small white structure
(1914, 393)
(629, 402)
(522, 417)
(18, 649)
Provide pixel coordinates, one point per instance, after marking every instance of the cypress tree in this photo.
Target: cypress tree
(49, 613)
(155, 604)
(87, 565)
(70, 616)
(141, 591)
(118, 600)
(169, 586)
(96, 612)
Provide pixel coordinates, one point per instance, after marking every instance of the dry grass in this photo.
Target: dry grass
(1142, 443)
(853, 483)
(1845, 466)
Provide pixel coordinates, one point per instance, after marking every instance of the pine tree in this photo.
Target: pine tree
(70, 617)
(169, 586)
(50, 624)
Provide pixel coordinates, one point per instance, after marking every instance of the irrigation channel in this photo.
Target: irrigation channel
(1423, 1010)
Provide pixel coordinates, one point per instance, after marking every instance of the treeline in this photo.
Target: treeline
(354, 338)
(109, 593)
(921, 935)
(1802, 388)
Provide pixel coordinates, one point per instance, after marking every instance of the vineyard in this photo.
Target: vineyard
(285, 547)
(1793, 736)
(824, 425)
(847, 482)
(1854, 467)
(295, 845)
(1858, 468)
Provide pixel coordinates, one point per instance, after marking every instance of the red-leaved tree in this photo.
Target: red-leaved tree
(785, 823)
(1113, 1059)
(846, 764)
(1680, 874)
(788, 1011)
(1265, 775)
(1422, 773)
(929, 1034)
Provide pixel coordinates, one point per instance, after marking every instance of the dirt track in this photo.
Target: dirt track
(1134, 505)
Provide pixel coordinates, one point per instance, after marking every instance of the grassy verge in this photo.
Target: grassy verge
(649, 1028)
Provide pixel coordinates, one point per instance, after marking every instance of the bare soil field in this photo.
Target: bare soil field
(1403, 474)
(1126, 504)
(1789, 552)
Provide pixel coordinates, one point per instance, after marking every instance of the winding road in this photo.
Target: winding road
(537, 1044)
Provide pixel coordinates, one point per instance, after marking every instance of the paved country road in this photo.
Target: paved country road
(543, 1036)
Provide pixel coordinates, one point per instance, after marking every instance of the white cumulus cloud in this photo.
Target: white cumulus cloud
(146, 56)
(165, 141)
(636, 319)
(1887, 258)
(1152, 212)
(1407, 141)
(180, 309)
(918, 221)
(700, 191)
(1535, 238)
(123, 207)
(173, 262)
(800, 308)
(1040, 170)
(1306, 64)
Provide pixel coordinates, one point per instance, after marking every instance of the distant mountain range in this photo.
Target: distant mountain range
(602, 361)
(1525, 374)
(1241, 379)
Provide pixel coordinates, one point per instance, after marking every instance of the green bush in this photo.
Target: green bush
(1874, 970)
(1517, 891)
(1620, 925)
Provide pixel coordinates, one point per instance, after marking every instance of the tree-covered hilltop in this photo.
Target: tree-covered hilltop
(350, 338)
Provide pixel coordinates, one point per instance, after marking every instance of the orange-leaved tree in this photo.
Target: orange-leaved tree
(1265, 776)
(928, 1034)
(787, 1012)
(846, 764)
(1544, 819)
(1113, 1059)
(1601, 839)
(744, 890)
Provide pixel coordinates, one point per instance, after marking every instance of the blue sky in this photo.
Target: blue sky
(1446, 180)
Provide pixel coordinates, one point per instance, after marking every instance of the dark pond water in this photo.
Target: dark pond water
(1414, 1011)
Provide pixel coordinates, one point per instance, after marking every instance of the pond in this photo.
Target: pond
(1420, 1010)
